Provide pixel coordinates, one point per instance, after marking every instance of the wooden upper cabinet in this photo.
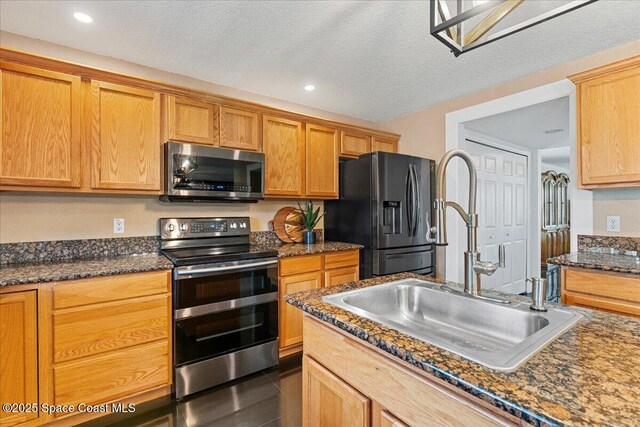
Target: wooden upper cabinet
(354, 144)
(19, 355)
(284, 157)
(609, 125)
(329, 401)
(322, 162)
(40, 127)
(239, 129)
(384, 144)
(125, 138)
(190, 120)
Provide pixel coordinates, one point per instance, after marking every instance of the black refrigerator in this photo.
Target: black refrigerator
(386, 205)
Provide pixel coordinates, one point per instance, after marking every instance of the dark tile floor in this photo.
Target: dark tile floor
(269, 398)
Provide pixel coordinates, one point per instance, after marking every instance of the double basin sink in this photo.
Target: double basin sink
(499, 336)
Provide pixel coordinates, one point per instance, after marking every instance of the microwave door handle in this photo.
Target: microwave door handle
(183, 271)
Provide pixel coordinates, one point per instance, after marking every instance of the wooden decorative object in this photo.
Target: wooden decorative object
(287, 225)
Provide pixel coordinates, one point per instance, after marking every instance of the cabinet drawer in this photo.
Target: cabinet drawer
(300, 264)
(112, 288)
(609, 285)
(88, 331)
(604, 304)
(342, 259)
(112, 376)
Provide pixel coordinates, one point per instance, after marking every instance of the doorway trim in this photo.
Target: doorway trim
(581, 200)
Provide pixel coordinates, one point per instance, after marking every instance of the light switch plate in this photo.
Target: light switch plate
(613, 223)
(118, 225)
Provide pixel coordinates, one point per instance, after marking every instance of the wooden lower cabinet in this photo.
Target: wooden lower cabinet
(347, 383)
(338, 276)
(90, 341)
(305, 272)
(332, 401)
(18, 355)
(613, 292)
(290, 317)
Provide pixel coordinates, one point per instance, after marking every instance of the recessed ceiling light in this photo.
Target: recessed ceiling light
(309, 88)
(83, 17)
(548, 131)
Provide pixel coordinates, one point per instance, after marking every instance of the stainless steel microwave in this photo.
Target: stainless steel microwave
(197, 173)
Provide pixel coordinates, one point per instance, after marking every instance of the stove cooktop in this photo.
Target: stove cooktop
(207, 255)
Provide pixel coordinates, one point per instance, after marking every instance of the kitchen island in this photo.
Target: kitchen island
(587, 376)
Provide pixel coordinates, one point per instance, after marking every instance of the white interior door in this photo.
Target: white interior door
(502, 207)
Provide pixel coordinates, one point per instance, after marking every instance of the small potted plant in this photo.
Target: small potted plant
(310, 219)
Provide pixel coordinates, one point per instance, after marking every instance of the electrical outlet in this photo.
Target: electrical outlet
(118, 225)
(613, 223)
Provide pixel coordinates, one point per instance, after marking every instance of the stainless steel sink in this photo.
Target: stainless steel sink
(499, 336)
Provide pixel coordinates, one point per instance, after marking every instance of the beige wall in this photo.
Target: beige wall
(423, 132)
(622, 203)
(35, 217)
(27, 217)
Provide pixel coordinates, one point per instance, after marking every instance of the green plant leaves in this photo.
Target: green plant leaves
(310, 218)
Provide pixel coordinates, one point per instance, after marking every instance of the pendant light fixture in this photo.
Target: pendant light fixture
(478, 22)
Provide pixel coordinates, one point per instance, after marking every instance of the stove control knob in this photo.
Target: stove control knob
(184, 227)
(243, 225)
(171, 227)
(234, 225)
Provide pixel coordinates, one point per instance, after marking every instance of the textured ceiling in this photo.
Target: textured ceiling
(369, 59)
(526, 126)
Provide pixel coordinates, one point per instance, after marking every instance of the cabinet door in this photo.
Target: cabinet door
(290, 316)
(329, 401)
(125, 138)
(383, 144)
(354, 144)
(321, 162)
(339, 276)
(284, 148)
(238, 129)
(189, 120)
(18, 367)
(609, 141)
(40, 127)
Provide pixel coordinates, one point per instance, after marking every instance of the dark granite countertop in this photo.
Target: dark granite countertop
(297, 249)
(588, 376)
(51, 271)
(599, 261)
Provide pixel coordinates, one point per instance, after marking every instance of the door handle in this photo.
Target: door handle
(416, 199)
(408, 203)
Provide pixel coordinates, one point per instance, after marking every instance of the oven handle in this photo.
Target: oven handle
(216, 307)
(188, 271)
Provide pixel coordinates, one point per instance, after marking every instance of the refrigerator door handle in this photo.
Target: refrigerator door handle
(416, 199)
(408, 203)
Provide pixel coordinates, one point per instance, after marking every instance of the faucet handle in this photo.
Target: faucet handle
(501, 256)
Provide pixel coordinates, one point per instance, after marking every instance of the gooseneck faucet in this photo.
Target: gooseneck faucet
(473, 266)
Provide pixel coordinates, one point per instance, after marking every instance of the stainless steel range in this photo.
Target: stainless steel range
(225, 301)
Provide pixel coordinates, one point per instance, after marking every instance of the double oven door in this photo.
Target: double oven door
(225, 322)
